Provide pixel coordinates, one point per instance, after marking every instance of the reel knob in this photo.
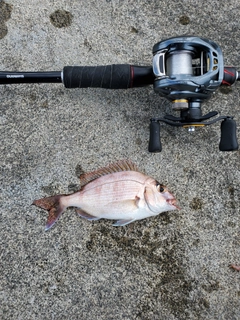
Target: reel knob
(154, 141)
(228, 140)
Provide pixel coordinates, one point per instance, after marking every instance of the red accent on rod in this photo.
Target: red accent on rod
(226, 83)
(228, 72)
(132, 76)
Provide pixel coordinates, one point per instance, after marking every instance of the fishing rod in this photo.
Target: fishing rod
(186, 70)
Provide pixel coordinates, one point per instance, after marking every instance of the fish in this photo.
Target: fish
(119, 191)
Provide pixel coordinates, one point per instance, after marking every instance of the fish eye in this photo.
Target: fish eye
(160, 187)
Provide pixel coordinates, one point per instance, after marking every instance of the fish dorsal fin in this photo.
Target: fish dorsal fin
(121, 165)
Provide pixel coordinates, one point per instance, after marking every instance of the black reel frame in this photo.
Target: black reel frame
(185, 70)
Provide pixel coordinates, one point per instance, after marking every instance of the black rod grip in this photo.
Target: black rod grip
(108, 77)
(142, 76)
(116, 76)
(228, 140)
(154, 141)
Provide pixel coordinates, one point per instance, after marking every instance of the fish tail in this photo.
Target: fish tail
(55, 207)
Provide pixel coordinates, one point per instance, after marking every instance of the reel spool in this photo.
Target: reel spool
(187, 71)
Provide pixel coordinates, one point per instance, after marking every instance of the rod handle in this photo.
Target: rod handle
(116, 76)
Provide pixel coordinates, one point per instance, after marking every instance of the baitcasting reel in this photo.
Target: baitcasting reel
(185, 70)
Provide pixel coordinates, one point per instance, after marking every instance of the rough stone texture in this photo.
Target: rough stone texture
(174, 266)
(5, 14)
(61, 18)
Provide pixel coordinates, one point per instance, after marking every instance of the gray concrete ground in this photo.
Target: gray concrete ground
(173, 266)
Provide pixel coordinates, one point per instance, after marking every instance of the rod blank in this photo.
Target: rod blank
(30, 77)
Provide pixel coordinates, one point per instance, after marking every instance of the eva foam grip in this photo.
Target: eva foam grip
(228, 140)
(116, 76)
(154, 141)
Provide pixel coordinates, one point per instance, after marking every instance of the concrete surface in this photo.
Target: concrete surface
(174, 266)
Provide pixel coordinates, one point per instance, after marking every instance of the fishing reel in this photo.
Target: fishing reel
(187, 70)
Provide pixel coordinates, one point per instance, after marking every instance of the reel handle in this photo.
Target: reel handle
(228, 140)
(154, 141)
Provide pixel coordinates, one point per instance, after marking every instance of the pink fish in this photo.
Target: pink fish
(117, 192)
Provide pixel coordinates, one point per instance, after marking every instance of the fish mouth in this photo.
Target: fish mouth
(173, 202)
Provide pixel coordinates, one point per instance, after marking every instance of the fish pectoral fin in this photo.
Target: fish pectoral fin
(86, 215)
(137, 201)
(121, 223)
(150, 198)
